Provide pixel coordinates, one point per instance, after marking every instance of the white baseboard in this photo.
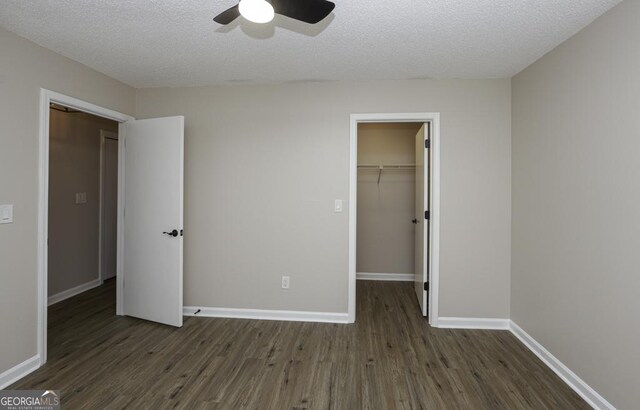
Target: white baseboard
(576, 383)
(59, 297)
(19, 371)
(473, 323)
(589, 395)
(259, 314)
(397, 277)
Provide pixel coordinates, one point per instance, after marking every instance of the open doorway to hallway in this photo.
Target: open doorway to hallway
(82, 212)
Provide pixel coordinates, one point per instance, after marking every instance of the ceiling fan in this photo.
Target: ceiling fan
(263, 11)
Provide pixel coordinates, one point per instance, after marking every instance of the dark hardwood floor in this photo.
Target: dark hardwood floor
(390, 359)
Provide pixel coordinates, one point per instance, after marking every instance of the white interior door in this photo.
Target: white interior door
(421, 219)
(109, 195)
(153, 219)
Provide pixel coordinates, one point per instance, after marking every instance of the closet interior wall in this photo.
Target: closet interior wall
(386, 198)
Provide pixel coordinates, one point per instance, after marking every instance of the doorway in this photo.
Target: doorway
(108, 204)
(389, 168)
(80, 198)
(149, 245)
(83, 183)
(386, 201)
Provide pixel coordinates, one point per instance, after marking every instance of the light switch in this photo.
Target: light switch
(6, 214)
(338, 206)
(81, 198)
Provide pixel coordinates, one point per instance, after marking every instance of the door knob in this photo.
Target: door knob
(173, 233)
(415, 221)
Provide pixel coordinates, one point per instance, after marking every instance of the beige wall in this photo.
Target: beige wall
(264, 165)
(285, 150)
(385, 237)
(74, 167)
(24, 68)
(576, 195)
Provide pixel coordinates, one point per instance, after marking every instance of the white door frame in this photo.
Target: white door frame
(46, 98)
(434, 232)
(104, 134)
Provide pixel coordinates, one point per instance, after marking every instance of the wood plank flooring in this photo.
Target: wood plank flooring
(390, 359)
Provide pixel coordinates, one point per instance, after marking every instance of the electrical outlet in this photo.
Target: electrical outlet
(285, 282)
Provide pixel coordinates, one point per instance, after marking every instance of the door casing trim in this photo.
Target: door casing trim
(434, 234)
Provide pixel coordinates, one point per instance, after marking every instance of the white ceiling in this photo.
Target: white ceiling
(151, 43)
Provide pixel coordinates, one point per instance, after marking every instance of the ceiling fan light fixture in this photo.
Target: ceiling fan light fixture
(257, 11)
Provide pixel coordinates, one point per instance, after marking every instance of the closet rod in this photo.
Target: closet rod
(387, 166)
(380, 168)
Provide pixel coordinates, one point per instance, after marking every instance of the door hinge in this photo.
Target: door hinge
(427, 144)
(426, 286)
(426, 215)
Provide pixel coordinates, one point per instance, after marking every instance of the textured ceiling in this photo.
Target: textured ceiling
(151, 43)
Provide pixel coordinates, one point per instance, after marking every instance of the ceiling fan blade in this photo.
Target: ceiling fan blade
(228, 15)
(309, 11)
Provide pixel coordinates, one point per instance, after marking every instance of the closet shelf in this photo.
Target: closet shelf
(381, 168)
